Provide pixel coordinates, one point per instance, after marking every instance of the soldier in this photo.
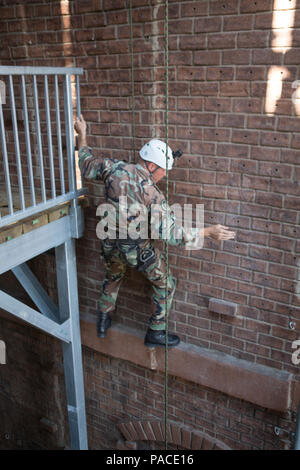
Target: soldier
(137, 182)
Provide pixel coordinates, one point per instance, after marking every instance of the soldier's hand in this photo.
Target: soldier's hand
(220, 232)
(80, 126)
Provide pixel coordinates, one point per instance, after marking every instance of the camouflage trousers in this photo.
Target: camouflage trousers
(116, 261)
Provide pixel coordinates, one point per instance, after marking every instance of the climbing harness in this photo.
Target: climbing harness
(146, 257)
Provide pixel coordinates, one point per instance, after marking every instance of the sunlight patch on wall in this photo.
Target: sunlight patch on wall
(296, 96)
(65, 13)
(282, 25)
(282, 40)
(276, 75)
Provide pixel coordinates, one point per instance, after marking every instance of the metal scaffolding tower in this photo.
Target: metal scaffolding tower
(60, 321)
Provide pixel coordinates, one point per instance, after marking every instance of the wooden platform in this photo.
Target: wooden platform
(32, 222)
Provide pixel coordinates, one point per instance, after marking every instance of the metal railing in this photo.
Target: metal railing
(30, 89)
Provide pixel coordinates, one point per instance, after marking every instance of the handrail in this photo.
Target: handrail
(26, 70)
(40, 207)
(40, 94)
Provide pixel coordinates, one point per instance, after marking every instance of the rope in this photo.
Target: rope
(167, 200)
(167, 183)
(132, 82)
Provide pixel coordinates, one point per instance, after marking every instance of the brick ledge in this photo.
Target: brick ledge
(254, 383)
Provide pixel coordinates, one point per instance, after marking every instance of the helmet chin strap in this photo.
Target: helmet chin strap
(151, 172)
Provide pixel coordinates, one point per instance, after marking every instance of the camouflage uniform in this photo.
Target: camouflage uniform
(133, 181)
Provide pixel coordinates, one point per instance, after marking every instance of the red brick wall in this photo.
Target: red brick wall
(32, 393)
(241, 163)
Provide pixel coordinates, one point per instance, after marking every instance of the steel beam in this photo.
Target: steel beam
(29, 315)
(27, 139)
(27, 246)
(77, 220)
(58, 133)
(68, 308)
(5, 161)
(37, 293)
(16, 140)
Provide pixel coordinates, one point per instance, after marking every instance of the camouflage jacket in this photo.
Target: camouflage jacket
(133, 182)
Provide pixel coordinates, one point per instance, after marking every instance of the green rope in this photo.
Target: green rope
(132, 81)
(167, 199)
(167, 182)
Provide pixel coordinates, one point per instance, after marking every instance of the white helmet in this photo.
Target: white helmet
(155, 151)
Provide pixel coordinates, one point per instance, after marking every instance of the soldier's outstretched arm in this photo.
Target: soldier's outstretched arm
(165, 225)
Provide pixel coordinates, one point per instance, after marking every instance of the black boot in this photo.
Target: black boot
(155, 338)
(103, 323)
